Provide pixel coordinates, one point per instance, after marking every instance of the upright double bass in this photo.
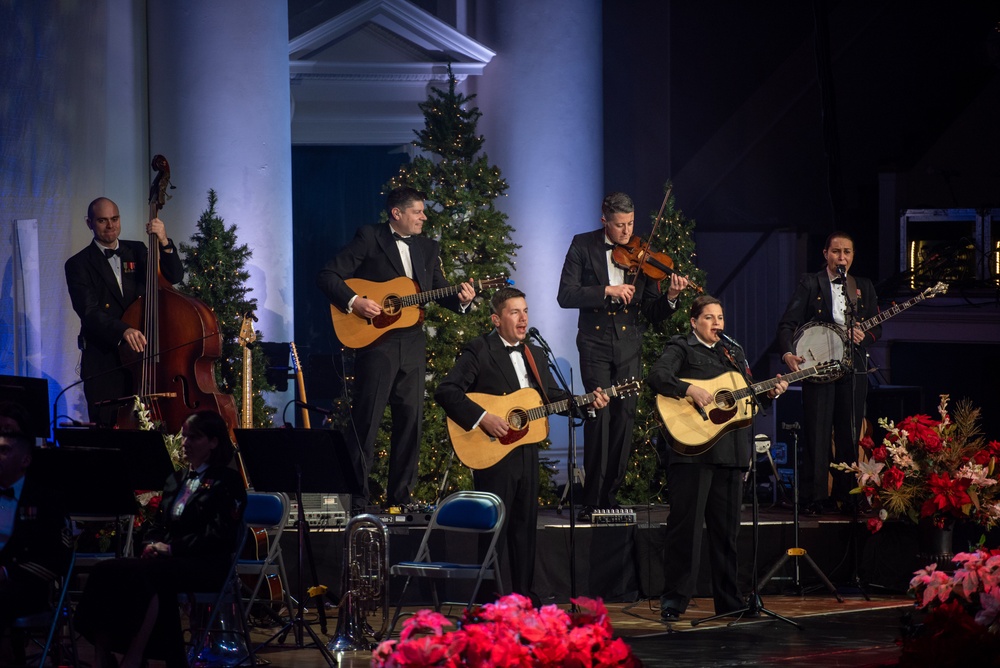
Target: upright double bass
(175, 375)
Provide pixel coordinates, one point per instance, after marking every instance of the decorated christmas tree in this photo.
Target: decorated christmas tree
(645, 479)
(215, 272)
(461, 189)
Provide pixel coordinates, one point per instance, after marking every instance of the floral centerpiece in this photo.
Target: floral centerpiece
(937, 469)
(963, 612)
(509, 632)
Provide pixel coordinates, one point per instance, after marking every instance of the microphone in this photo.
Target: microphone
(534, 334)
(321, 411)
(728, 339)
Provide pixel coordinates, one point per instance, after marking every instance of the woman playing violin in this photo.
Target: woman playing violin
(615, 310)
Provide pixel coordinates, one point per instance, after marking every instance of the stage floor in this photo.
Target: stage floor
(854, 633)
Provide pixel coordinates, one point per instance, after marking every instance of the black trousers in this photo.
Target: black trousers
(827, 424)
(703, 497)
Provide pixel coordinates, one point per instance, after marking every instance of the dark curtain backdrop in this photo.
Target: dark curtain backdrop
(335, 189)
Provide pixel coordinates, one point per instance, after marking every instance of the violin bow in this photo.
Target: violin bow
(652, 233)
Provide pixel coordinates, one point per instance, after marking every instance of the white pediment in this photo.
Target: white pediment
(385, 39)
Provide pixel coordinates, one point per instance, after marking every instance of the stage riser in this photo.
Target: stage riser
(621, 563)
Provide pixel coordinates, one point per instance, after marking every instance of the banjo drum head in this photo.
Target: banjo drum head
(820, 342)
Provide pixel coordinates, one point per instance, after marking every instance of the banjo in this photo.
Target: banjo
(821, 342)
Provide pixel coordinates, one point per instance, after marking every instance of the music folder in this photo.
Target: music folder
(280, 460)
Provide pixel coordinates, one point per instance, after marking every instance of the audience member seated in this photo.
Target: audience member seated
(129, 606)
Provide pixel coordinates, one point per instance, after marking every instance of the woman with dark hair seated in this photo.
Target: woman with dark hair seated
(130, 605)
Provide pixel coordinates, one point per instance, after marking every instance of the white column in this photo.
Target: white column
(543, 124)
(219, 110)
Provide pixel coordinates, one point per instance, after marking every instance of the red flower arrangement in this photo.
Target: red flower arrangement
(926, 468)
(509, 632)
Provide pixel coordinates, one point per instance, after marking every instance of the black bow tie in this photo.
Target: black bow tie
(519, 348)
(111, 252)
(9, 493)
(399, 237)
(610, 246)
(839, 280)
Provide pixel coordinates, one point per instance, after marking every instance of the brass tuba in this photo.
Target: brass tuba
(365, 585)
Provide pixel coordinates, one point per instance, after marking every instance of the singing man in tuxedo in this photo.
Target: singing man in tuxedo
(825, 297)
(392, 370)
(499, 363)
(103, 280)
(610, 341)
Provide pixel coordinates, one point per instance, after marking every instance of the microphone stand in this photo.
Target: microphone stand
(572, 419)
(754, 605)
(852, 353)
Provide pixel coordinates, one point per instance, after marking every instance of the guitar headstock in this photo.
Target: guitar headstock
(494, 282)
(247, 334)
(939, 289)
(626, 388)
(296, 365)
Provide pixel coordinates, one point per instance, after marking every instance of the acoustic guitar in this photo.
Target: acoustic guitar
(694, 431)
(401, 300)
(526, 416)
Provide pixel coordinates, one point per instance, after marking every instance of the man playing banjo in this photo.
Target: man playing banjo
(813, 330)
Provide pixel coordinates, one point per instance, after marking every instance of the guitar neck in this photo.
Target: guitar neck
(439, 293)
(247, 412)
(768, 385)
(560, 406)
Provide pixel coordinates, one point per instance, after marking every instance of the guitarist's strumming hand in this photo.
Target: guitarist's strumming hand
(494, 425)
(366, 308)
(793, 361)
(700, 396)
(466, 293)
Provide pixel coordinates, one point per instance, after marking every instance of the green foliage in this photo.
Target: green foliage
(461, 187)
(645, 478)
(215, 273)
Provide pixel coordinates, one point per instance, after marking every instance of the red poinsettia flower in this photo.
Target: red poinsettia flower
(880, 454)
(892, 478)
(922, 431)
(946, 495)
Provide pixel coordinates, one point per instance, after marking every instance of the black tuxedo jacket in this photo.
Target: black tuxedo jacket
(208, 525)
(95, 294)
(373, 255)
(581, 286)
(484, 366)
(39, 547)
(813, 300)
(686, 357)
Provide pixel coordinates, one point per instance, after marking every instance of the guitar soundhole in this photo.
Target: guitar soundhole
(724, 400)
(517, 419)
(391, 305)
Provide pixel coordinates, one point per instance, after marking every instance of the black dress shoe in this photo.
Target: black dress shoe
(669, 614)
(811, 509)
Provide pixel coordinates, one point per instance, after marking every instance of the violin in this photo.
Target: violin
(635, 256)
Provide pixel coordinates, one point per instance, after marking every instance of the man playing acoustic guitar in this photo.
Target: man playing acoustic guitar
(499, 363)
(390, 371)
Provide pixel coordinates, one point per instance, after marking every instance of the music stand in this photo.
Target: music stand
(144, 455)
(296, 461)
(33, 395)
(91, 481)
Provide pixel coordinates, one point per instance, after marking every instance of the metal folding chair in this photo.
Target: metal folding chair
(267, 516)
(463, 512)
(52, 621)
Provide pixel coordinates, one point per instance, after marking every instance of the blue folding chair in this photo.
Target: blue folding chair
(464, 512)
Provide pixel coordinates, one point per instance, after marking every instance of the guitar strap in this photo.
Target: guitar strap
(852, 290)
(534, 371)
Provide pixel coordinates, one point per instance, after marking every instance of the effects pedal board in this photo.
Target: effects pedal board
(609, 516)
